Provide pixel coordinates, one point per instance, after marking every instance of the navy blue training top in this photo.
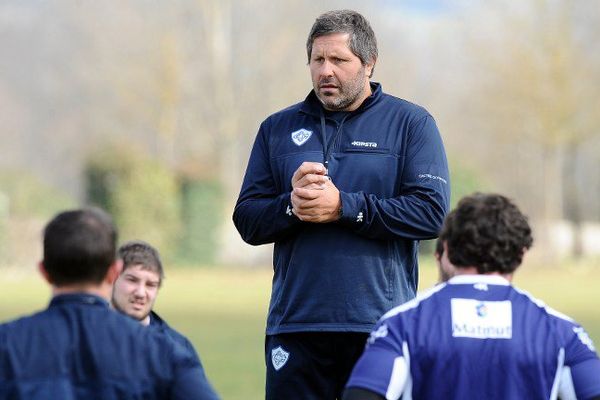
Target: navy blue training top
(78, 348)
(388, 161)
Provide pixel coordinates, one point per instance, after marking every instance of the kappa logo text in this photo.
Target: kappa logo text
(301, 136)
(357, 143)
(381, 332)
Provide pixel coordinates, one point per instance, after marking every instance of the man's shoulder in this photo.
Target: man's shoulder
(285, 114)
(528, 299)
(161, 325)
(420, 304)
(20, 323)
(414, 110)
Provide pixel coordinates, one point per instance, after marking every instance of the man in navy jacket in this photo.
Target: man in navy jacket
(345, 184)
(137, 287)
(79, 348)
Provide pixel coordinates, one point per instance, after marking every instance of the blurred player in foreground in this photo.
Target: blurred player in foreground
(79, 348)
(477, 336)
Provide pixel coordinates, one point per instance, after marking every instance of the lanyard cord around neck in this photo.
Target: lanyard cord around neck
(324, 137)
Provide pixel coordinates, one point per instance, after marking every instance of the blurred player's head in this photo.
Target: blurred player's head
(135, 290)
(488, 232)
(79, 249)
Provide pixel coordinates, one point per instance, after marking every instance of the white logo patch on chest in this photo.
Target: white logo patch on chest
(301, 136)
(279, 357)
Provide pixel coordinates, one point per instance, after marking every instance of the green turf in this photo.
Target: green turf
(223, 312)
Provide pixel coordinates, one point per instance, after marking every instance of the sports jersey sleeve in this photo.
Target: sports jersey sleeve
(419, 210)
(262, 214)
(582, 367)
(383, 368)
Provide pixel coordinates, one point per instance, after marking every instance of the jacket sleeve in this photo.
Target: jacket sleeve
(424, 193)
(262, 214)
(189, 381)
(191, 384)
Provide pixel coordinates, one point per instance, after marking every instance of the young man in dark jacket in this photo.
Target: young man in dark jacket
(79, 348)
(345, 184)
(137, 287)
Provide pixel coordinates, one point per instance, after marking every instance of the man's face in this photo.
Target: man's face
(339, 79)
(135, 291)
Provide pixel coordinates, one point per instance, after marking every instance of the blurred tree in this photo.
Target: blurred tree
(141, 193)
(4, 251)
(26, 195)
(539, 100)
(465, 179)
(202, 213)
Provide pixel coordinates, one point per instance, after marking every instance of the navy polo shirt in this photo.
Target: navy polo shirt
(78, 348)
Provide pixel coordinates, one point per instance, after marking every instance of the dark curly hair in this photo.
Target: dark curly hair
(486, 231)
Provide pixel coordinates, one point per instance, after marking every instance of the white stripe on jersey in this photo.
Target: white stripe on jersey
(401, 380)
(559, 368)
(413, 303)
(543, 305)
(566, 390)
(397, 379)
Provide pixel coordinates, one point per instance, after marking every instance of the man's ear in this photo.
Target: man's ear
(369, 68)
(114, 271)
(44, 273)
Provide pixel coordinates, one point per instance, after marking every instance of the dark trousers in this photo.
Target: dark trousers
(311, 365)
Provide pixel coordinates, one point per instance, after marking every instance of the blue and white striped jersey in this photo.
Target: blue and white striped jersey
(478, 337)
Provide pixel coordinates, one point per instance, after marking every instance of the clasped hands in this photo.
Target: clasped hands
(314, 197)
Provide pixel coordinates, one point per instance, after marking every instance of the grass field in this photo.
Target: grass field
(223, 312)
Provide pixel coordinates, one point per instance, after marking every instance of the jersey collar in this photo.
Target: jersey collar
(472, 279)
(156, 320)
(78, 298)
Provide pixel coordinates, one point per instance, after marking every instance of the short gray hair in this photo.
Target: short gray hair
(362, 41)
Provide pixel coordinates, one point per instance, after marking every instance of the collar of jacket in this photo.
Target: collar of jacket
(156, 320)
(312, 104)
(78, 298)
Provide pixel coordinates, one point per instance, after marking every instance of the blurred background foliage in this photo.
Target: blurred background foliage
(140, 192)
(175, 212)
(25, 194)
(150, 110)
